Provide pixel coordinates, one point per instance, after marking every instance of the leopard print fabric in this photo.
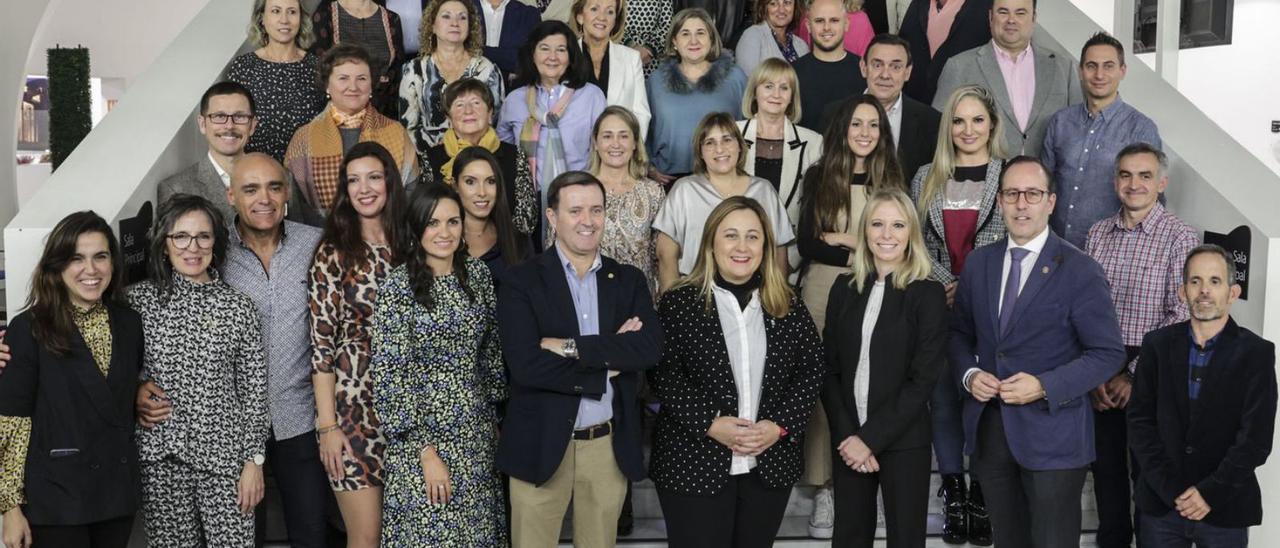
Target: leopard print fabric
(342, 304)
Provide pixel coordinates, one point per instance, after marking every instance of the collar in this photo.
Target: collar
(181, 283)
(233, 233)
(893, 109)
(222, 174)
(1146, 225)
(1209, 344)
(80, 315)
(1036, 245)
(746, 294)
(1002, 54)
(488, 7)
(568, 265)
(1107, 112)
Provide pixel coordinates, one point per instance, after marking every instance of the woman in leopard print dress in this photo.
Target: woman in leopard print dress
(201, 467)
(359, 248)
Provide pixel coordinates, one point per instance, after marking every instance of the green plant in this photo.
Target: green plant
(70, 118)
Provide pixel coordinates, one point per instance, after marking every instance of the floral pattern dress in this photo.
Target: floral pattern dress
(628, 228)
(342, 304)
(439, 375)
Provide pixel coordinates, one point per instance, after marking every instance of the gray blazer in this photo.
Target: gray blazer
(1057, 85)
(201, 179)
(990, 223)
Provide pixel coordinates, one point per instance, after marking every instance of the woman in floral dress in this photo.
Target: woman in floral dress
(437, 365)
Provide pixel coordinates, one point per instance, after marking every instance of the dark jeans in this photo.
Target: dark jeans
(304, 490)
(745, 514)
(1174, 531)
(1113, 472)
(1031, 508)
(903, 479)
(948, 428)
(112, 533)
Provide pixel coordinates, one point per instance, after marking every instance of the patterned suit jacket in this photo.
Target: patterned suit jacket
(990, 224)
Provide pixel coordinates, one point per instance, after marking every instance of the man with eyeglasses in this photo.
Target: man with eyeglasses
(269, 259)
(1033, 330)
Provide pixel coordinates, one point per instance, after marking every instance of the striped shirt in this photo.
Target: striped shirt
(1144, 266)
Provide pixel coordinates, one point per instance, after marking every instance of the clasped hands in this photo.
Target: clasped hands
(1113, 394)
(857, 455)
(556, 345)
(1020, 389)
(743, 437)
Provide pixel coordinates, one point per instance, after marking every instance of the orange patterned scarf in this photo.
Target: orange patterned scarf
(323, 148)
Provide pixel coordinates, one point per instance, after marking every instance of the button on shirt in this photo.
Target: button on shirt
(1019, 73)
(745, 339)
(1080, 151)
(283, 302)
(1034, 247)
(493, 21)
(1198, 362)
(586, 306)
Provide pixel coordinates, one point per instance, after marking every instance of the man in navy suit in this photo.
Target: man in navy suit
(577, 331)
(1033, 330)
(505, 26)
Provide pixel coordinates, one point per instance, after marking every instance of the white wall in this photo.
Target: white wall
(17, 27)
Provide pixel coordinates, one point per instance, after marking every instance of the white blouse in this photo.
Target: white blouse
(862, 375)
(745, 339)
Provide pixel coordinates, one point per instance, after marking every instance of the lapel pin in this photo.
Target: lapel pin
(610, 275)
(1044, 270)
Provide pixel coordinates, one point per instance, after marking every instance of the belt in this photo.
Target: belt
(592, 432)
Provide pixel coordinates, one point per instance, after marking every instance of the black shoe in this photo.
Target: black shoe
(626, 524)
(955, 528)
(979, 520)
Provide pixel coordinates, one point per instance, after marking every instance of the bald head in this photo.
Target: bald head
(259, 191)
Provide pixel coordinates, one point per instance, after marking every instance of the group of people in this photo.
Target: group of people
(454, 287)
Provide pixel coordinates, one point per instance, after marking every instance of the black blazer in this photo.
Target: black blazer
(72, 406)
(534, 302)
(517, 23)
(1215, 443)
(908, 348)
(436, 157)
(970, 30)
(695, 384)
(918, 136)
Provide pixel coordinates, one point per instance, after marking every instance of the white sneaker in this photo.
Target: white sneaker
(821, 523)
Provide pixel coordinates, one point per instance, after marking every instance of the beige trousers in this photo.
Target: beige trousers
(589, 476)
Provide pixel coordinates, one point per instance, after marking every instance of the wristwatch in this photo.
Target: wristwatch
(570, 348)
(258, 459)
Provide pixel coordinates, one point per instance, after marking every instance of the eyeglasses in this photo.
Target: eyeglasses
(1033, 196)
(239, 118)
(182, 240)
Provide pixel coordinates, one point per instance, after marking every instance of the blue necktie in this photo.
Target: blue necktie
(1017, 254)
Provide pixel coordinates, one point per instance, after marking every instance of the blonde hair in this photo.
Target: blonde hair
(916, 263)
(638, 167)
(944, 156)
(772, 69)
(619, 24)
(775, 292)
(724, 122)
(258, 31)
(473, 43)
(716, 47)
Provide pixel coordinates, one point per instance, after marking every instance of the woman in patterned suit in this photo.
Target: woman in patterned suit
(362, 242)
(437, 365)
(738, 380)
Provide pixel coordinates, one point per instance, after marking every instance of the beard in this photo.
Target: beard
(836, 46)
(1205, 312)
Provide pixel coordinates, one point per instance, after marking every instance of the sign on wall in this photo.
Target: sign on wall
(133, 243)
(1236, 243)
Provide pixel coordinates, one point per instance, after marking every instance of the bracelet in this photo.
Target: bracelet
(327, 429)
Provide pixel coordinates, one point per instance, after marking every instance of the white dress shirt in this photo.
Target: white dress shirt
(222, 174)
(493, 21)
(895, 118)
(862, 375)
(1028, 263)
(744, 338)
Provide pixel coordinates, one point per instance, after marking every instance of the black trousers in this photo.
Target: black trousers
(746, 514)
(112, 533)
(304, 490)
(904, 479)
(1113, 471)
(1029, 508)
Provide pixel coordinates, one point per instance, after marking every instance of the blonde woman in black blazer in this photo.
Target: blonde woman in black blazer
(886, 333)
(738, 380)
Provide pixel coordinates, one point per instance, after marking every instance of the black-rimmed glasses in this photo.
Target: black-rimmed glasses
(239, 118)
(1033, 196)
(182, 240)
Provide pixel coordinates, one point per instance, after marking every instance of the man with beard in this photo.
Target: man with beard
(1202, 416)
(829, 73)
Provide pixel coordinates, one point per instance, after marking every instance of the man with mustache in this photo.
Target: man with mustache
(1030, 82)
(1082, 138)
(1142, 248)
(1202, 416)
(829, 73)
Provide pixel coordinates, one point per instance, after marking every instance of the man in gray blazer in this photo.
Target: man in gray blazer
(1029, 82)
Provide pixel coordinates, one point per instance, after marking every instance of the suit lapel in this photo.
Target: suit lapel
(935, 220)
(999, 88)
(615, 79)
(792, 152)
(606, 296)
(1046, 265)
(553, 277)
(749, 135)
(994, 265)
(211, 187)
(92, 379)
(1044, 74)
(1179, 380)
(989, 195)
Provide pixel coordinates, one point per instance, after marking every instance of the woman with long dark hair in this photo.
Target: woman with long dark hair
(68, 465)
(488, 229)
(362, 242)
(437, 365)
(201, 468)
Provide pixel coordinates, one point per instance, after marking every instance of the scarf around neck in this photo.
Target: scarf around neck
(552, 163)
(453, 144)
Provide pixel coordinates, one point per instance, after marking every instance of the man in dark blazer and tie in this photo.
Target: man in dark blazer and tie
(1033, 330)
(968, 29)
(887, 66)
(1202, 416)
(577, 328)
(1030, 82)
(518, 20)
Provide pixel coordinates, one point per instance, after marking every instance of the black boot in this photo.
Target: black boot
(979, 520)
(955, 528)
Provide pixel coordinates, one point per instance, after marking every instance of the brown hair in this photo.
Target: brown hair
(724, 122)
(683, 16)
(827, 194)
(775, 291)
(619, 23)
(473, 43)
(761, 13)
(258, 31)
(51, 321)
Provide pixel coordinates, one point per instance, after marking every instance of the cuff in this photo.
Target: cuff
(968, 375)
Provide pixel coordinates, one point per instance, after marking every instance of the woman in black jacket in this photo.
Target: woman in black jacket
(738, 380)
(886, 332)
(66, 397)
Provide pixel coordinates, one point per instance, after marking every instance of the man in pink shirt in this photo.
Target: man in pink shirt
(1029, 82)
